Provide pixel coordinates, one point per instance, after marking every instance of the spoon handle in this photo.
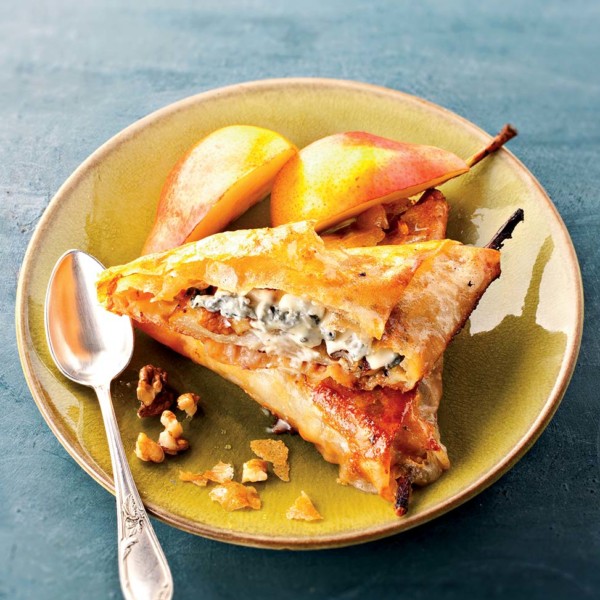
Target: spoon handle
(143, 568)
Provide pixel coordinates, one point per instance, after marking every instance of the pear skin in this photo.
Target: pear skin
(220, 178)
(341, 175)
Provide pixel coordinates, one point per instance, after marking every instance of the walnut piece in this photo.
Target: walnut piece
(276, 452)
(232, 495)
(254, 470)
(189, 403)
(153, 391)
(148, 450)
(303, 509)
(170, 439)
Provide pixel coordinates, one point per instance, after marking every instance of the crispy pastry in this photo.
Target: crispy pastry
(383, 440)
(280, 298)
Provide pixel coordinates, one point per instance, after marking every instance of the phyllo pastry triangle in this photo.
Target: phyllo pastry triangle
(384, 440)
(280, 298)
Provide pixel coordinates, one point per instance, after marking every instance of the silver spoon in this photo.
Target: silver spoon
(92, 346)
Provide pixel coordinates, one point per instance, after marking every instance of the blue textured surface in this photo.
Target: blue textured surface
(73, 73)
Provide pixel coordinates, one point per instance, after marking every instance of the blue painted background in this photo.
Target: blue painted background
(73, 73)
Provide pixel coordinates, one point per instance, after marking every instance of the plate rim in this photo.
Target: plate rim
(290, 542)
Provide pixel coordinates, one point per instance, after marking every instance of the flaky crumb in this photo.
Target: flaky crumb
(234, 496)
(195, 478)
(220, 473)
(148, 450)
(254, 470)
(303, 509)
(276, 452)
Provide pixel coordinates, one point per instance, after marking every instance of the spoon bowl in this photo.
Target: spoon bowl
(89, 344)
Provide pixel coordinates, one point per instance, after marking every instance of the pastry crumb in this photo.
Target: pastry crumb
(275, 452)
(303, 509)
(232, 495)
(195, 478)
(220, 473)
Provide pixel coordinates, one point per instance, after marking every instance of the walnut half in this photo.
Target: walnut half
(148, 450)
(153, 392)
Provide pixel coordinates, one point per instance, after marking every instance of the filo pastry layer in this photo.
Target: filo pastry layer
(383, 440)
(394, 308)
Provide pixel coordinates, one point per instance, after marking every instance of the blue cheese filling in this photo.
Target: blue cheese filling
(296, 326)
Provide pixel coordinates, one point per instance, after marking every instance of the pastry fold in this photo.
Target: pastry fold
(383, 440)
(281, 298)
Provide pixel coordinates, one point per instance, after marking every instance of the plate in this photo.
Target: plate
(505, 372)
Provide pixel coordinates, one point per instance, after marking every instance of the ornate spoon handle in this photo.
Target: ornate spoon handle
(143, 568)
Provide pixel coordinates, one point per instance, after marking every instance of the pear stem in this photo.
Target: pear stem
(505, 232)
(507, 133)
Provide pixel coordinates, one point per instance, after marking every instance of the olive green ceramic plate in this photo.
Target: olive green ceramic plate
(505, 373)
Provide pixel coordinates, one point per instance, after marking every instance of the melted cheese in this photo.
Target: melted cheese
(292, 325)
